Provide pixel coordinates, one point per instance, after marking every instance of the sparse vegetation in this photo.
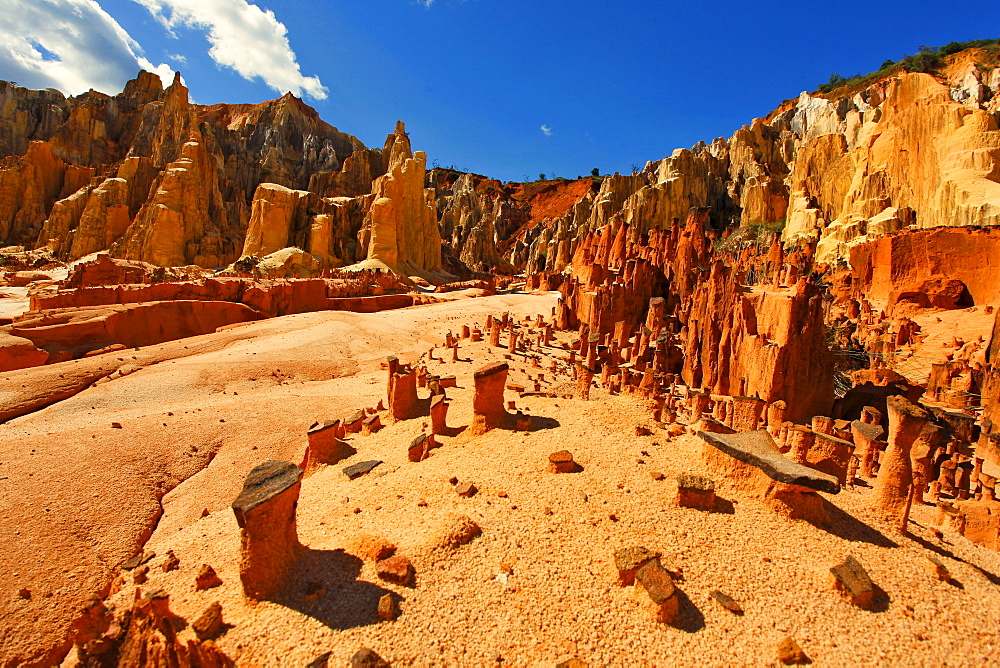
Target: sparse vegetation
(928, 59)
(756, 235)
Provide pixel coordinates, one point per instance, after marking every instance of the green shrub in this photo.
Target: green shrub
(758, 235)
(928, 59)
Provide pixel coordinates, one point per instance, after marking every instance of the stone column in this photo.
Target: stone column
(392, 362)
(922, 459)
(865, 435)
(891, 491)
(654, 319)
(584, 377)
(822, 425)
(800, 439)
(325, 446)
(265, 513)
(720, 410)
(439, 415)
(746, 413)
(699, 404)
(782, 439)
(419, 448)
(607, 371)
(636, 343)
(871, 415)
(403, 402)
(946, 477)
(354, 422)
(563, 317)
(488, 411)
(649, 383)
(659, 404)
(830, 455)
(852, 470)
(622, 333)
(584, 345)
(964, 480)
(776, 417)
(594, 340)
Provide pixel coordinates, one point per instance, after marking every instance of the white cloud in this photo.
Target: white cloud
(177, 58)
(71, 45)
(243, 37)
(425, 3)
(546, 130)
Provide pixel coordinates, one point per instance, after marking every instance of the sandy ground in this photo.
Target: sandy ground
(539, 586)
(79, 496)
(14, 301)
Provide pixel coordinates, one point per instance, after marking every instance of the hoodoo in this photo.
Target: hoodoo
(774, 358)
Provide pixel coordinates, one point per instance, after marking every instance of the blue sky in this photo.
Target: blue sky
(507, 88)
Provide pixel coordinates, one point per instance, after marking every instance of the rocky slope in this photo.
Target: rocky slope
(910, 149)
(152, 177)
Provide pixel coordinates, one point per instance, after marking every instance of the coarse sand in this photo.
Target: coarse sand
(538, 586)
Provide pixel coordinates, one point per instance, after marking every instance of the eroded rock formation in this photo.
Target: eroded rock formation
(400, 230)
(155, 178)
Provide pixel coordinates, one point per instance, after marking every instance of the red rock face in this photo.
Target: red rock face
(103, 270)
(106, 304)
(765, 341)
(927, 262)
(112, 281)
(61, 334)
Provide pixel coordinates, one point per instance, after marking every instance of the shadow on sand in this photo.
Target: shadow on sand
(328, 590)
(848, 527)
(689, 617)
(945, 552)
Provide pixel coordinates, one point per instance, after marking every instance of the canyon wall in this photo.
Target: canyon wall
(908, 150)
(153, 177)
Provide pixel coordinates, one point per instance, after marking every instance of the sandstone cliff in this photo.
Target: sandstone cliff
(400, 229)
(910, 149)
(485, 221)
(152, 177)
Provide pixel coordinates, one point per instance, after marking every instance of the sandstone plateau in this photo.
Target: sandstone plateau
(271, 397)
